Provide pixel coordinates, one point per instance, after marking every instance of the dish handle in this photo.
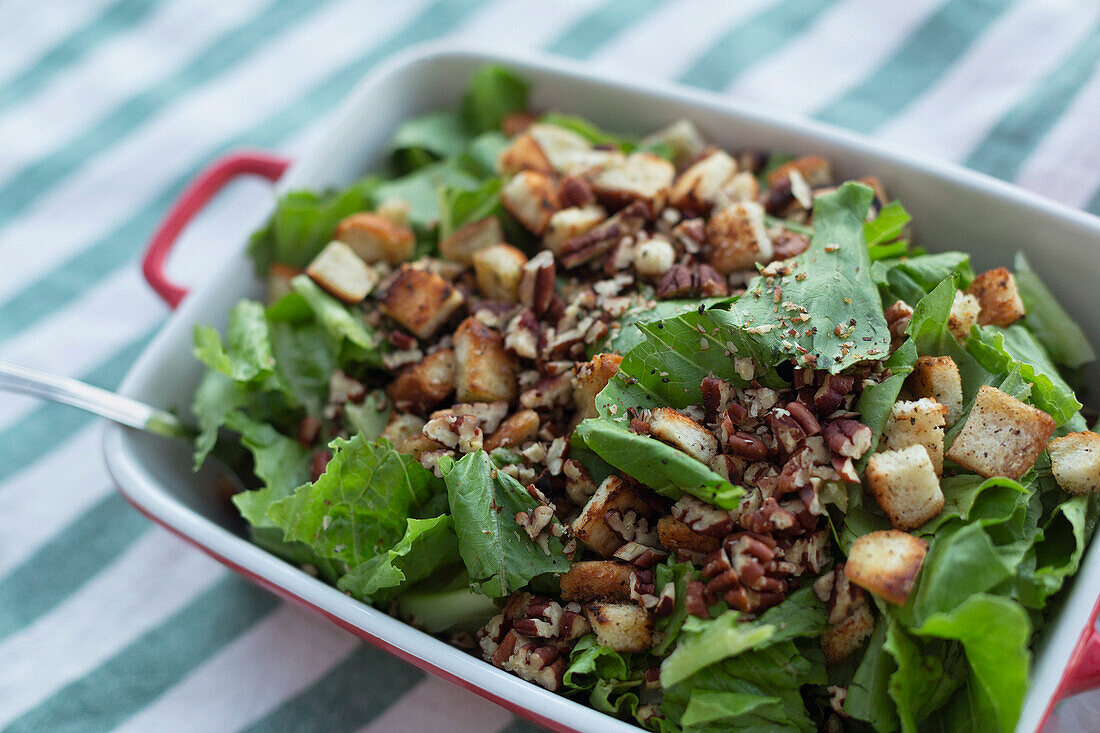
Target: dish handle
(1083, 669)
(199, 191)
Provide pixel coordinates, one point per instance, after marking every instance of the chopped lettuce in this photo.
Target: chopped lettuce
(428, 544)
(887, 226)
(1048, 321)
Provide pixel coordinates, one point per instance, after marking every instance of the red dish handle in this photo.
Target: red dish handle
(1083, 669)
(203, 188)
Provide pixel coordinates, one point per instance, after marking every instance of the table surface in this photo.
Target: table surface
(108, 106)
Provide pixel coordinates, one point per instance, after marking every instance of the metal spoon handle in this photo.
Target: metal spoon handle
(18, 378)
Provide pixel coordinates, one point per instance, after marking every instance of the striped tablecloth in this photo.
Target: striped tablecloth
(108, 106)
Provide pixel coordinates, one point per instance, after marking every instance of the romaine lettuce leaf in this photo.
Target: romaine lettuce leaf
(494, 92)
(927, 674)
(428, 544)
(346, 326)
(887, 226)
(589, 663)
(1048, 321)
(911, 278)
(426, 139)
(281, 463)
(246, 353)
(668, 627)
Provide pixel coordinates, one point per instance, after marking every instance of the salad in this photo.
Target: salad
(695, 436)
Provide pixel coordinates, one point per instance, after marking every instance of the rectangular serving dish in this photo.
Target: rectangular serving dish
(953, 208)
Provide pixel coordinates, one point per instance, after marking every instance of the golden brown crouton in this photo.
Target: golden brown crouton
(905, 485)
(592, 377)
(842, 639)
(654, 257)
(1002, 436)
(569, 152)
(964, 314)
(675, 535)
(523, 154)
(597, 579)
(697, 188)
(589, 527)
(1075, 462)
(375, 237)
(886, 563)
(423, 386)
(278, 280)
(339, 270)
(938, 377)
(417, 445)
(742, 187)
(570, 223)
(736, 238)
(520, 428)
(402, 426)
(485, 371)
(622, 626)
(1000, 301)
(532, 198)
(682, 137)
(916, 422)
(680, 431)
(499, 269)
(421, 301)
(639, 177)
(469, 238)
(815, 169)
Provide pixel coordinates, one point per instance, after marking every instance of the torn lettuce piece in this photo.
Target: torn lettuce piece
(668, 627)
(281, 463)
(428, 544)
(911, 278)
(446, 602)
(1049, 322)
(493, 93)
(887, 226)
(589, 663)
(246, 353)
(928, 672)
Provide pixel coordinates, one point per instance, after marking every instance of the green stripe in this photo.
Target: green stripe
(66, 562)
(1011, 141)
(142, 671)
(352, 694)
(1094, 203)
(751, 40)
(70, 50)
(918, 63)
(222, 54)
(601, 25)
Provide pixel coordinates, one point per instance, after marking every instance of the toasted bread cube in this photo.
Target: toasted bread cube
(964, 314)
(675, 535)
(499, 269)
(1075, 462)
(423, 386)
(737, 239)
(421, 301)
(937, 377)
(520, 428)
(396, 210)
(339, 270)
(523, 154)
(654, 257)
(840, 640)
(401, 427)
(592, 376)
(905, 485)
(468, 239)
(375, 238)
(997, 295)
(622, 626)
(532, 198)
(680, 431)
(589, 527)
(597, 579)
(697, 188)
(1002, 436)
(886, 563)
(572, 222)
(485, 371)
(278, 280)
(815, 169)
(742, 187)
(684, 139)
(917, 422)
(639, 177)
(561, 147)
(418, 445)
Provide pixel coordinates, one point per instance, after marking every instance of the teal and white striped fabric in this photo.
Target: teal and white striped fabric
(108, 106)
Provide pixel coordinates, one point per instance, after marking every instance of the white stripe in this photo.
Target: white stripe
(517, 24)
(278, 657)
(110, 187)
(1065, 165)
(833, 54)
(49, 495)
(1014, 54)
(39, 27)
(135, 60)
(668, 41)
(156, 577)
(432, 701)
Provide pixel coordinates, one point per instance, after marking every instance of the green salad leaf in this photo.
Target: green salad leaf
(888, 225)
(589, 663)
(1049, 322)
(428, 544)
(494, 92)
(246, 354)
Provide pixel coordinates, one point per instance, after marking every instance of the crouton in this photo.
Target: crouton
(1002, 436)
(570, 223)
(597, 579)
(523, 154)
(520, 428)
(876, 186)
(532, 198)
(682, 137)
(840, 640)
(592, 376)
(918, 422)
(421, 301)
(461, 245)
(680, 431)
(499, 269)
(417, 445)
(937, 377)
(562, 148)
(697, 188)
(736, 238)
(485, 372)
(339, 270)
(654, 257)
(886, 563)
(997, 295)
(905, 485)
(622, 626)
(815, 169)
(964, 314)
(638, 177)
(677, 536)
(402, 426)
(278, 280)
(395, 209)
(426, 384)
(1075, 462)
(742, 187)
(375, 238)
(589, 527)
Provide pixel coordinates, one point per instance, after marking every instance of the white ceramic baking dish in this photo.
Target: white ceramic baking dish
(953, 209)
